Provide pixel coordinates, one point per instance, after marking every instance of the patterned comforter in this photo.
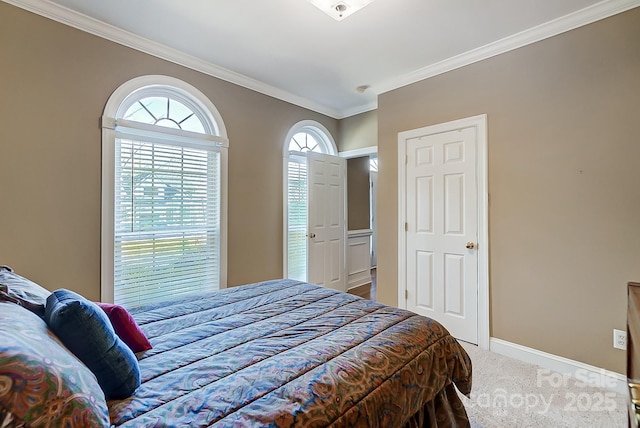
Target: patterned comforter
(286, 353)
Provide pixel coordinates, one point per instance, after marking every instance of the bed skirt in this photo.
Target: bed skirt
(444, 411)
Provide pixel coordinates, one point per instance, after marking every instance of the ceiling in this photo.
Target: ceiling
(291, 50)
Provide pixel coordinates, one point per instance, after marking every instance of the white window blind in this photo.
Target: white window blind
(167, 225)
(297, 218)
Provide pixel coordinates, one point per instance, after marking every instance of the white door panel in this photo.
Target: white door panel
(441, 215)
(327, 232)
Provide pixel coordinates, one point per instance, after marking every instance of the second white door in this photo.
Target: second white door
(442, 228)
(327, 231)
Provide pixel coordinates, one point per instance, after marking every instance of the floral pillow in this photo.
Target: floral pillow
(42, 384)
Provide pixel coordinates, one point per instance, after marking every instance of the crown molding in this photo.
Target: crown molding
(101, 29)
(358, 109)
(582, 17)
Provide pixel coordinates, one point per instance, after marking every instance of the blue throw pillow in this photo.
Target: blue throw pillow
(85, 329)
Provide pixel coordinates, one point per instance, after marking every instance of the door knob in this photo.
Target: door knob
(312, 235)
(470, 245)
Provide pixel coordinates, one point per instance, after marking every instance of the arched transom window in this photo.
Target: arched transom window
(166, 111)
(305, 142)
(311, 138)
(165, 223)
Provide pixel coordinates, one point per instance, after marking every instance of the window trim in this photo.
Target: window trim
(218, 137)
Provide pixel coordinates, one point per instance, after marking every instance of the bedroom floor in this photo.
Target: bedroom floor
(367, 291)
(510, 393)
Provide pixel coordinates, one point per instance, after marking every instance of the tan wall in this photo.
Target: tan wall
(358, 193)
(564, 184)
(358, 131)
(54, 83)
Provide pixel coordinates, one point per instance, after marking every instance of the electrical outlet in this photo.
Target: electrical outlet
(619, 339)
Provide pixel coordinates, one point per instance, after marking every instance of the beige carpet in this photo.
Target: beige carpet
(510, 393)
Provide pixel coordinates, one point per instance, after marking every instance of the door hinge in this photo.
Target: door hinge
(406, 226)
(406, 293)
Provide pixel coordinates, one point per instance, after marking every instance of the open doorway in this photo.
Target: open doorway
(361, 230)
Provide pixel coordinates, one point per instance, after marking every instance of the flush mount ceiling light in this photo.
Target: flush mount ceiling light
(339, 10)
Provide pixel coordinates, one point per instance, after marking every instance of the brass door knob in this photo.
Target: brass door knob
(312, 235)
(470, 245)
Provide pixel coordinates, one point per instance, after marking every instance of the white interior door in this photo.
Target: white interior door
(327, 231)
(442, 228)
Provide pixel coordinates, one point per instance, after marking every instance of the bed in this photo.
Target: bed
(287, 353)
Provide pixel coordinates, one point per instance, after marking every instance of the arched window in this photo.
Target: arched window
(306, 136)
(164, 193)
(309, 136)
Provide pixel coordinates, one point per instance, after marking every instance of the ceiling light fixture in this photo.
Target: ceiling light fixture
(338, 9)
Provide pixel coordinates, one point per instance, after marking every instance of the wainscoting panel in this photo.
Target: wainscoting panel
(358, 257)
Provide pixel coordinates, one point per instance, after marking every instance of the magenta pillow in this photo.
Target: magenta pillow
(126, 327)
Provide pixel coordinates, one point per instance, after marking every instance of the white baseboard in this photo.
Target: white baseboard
(584, 372)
